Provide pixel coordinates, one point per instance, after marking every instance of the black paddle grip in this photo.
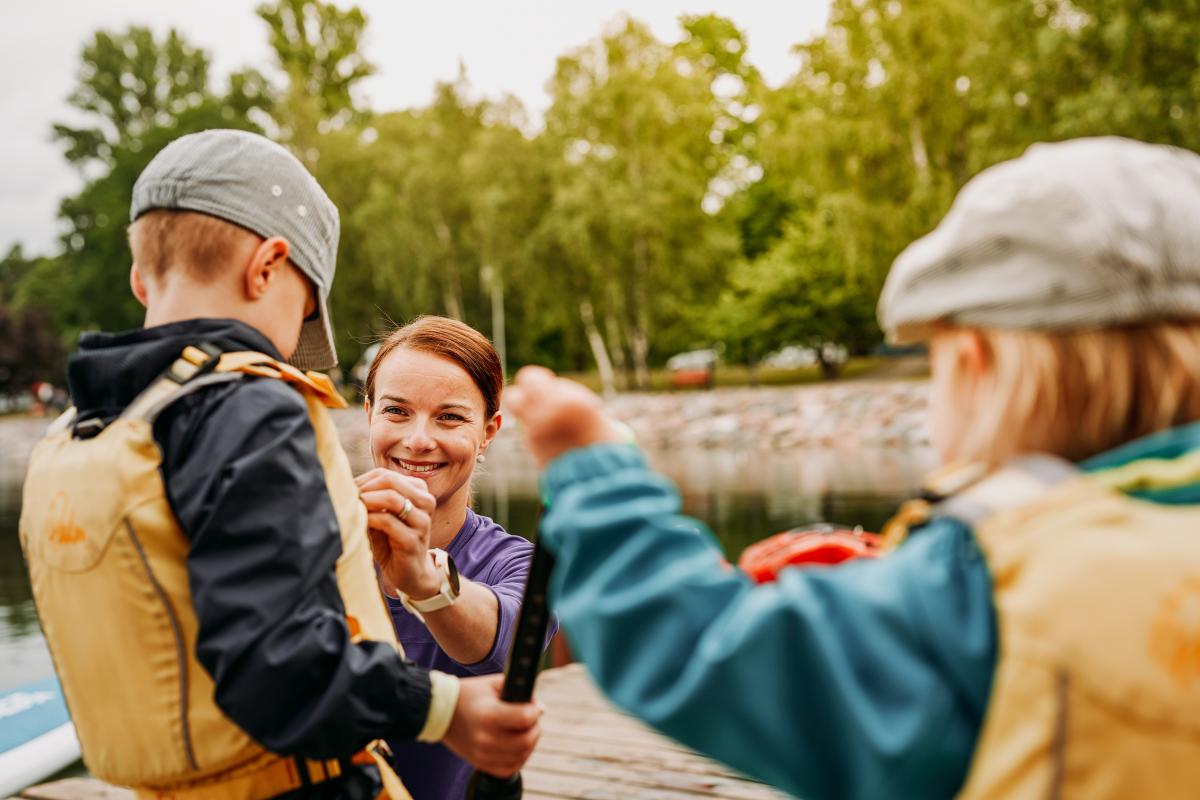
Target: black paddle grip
(524, 658)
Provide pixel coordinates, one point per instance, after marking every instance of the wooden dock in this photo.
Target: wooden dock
(589, 751)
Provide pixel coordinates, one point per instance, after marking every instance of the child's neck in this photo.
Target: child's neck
(184, 300)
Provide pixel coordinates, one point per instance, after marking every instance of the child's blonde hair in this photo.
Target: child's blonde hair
(165, 239)
(1076, 394)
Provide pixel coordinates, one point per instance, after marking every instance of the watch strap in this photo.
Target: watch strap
(446, 594)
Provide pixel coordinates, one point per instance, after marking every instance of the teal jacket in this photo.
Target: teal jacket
(866, 680)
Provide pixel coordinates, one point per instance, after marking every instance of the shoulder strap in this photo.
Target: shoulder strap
(62, 422)
(1017, 483)
(251, 363)
(204, 365)
(193, 370)
(972, 494)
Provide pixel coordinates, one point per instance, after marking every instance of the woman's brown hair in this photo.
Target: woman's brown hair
(452, 340)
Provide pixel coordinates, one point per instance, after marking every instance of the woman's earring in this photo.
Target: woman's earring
(479, 459)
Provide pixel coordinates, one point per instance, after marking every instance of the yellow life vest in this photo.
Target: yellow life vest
(107, 561)
(1096, 691)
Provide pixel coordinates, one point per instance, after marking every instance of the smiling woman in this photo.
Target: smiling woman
(453, 578)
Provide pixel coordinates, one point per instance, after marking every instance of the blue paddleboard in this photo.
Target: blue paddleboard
(37, 738)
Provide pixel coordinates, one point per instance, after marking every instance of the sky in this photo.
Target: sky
(507, 46)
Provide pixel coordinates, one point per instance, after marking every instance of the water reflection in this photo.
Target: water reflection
(742, 495)
(23, 656)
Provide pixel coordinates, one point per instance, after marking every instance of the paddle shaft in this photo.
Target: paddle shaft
(529, 639)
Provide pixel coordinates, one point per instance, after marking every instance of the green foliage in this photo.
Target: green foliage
(139, 93)
(672, 200)
(30, 347)
(317, 46)
(638, 134)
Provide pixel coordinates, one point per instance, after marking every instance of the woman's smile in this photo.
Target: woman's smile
(418, 468)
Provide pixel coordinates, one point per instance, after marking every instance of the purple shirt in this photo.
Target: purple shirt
(488, 555)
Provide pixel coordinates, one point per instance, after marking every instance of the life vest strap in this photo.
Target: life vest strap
(263, 365)
(203, 365)
(165, 389)
(279, 776)
(1017, 483)
(971, 494)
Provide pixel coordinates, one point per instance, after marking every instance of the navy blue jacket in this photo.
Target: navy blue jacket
(241, 474)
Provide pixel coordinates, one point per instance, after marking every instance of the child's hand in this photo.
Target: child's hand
(494, 736)
(558, 415)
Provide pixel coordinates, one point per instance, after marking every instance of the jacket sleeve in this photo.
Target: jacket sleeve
(243, 479)
(865, 680)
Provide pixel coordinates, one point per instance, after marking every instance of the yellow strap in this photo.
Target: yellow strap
(392, 786)
(278, 776)
(911, 514)
(261, 364)
(184, 368)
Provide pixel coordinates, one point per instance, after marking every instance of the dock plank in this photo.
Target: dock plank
(590, 750)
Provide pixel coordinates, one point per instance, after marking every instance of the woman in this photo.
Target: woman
(454, 585)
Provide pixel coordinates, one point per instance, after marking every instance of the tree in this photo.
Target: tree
(30, 350)
(637, 129)
(318, 47)
(816, 287)
(138, 93)
(13, 270)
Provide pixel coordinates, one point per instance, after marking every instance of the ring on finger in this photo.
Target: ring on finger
(404, 512)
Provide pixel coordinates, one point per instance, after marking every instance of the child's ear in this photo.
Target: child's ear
(137, 285)
(265, 264)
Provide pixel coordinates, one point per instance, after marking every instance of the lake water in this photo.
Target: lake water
(742, 495)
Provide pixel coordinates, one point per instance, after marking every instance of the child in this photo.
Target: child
(197, 546)
(1037, 631)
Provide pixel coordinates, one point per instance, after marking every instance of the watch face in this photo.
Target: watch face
(453, 570)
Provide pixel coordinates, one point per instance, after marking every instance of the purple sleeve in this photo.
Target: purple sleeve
(504, 570)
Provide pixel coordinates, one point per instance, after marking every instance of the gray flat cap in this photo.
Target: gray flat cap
(251, 181)
(1085, 233)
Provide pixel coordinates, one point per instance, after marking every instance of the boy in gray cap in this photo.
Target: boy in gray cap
(1034, 630)
(199, 554)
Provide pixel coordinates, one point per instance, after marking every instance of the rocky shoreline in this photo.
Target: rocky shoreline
(849, 415)
(858, 414)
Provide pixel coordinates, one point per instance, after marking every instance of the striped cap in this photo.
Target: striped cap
(1086, 233)
(253, 182)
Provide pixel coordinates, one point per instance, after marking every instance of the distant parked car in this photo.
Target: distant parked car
(795, 356)
(791, 357)
(693, 368)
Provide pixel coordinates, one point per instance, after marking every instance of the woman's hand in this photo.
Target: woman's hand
(557, 414)
(494, 736)
(400, 546)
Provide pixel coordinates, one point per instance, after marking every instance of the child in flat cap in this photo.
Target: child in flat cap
(1034, 630)
(199, 552)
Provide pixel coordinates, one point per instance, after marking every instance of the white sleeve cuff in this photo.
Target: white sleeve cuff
(443, 697)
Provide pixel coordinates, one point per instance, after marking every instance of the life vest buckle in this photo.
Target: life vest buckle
(89, 428)
(206, 361)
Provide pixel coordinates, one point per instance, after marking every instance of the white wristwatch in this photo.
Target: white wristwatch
(447, 592)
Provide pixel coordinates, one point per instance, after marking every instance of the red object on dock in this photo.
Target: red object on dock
(813, 544)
